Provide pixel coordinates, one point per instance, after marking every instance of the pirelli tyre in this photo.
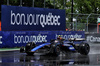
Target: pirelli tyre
(84, 48)
(56, 51)
(22, 49)
(28, 48)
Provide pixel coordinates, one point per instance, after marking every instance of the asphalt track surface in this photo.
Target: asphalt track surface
(15, 58)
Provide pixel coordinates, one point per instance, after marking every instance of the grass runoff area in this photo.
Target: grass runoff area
(9, 49)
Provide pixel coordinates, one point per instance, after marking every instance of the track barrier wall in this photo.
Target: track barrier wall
(16, 18)
(93, 37)
(11, 39)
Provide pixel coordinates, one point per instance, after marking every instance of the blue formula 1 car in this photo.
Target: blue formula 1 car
(57, 45)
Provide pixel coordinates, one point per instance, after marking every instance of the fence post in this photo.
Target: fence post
(64, 4)
(87, 21)
(33, 3)
(7, 2)
(76, 21)
(44, 3)
(20, 2)
(54, 4)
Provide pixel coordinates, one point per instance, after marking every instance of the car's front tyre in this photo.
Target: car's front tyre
(56, 51)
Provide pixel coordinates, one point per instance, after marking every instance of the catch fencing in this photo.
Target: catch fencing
(92, 28)
(83, 22)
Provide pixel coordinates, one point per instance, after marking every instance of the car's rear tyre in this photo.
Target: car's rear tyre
(22, 49)
(84, 48)
(28, 48)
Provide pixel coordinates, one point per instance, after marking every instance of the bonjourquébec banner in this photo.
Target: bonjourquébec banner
(16, 18)
(21, 38)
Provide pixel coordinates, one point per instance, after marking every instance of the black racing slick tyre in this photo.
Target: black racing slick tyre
(22, 49)
(28, 48)
(57, 51)
(84, 48)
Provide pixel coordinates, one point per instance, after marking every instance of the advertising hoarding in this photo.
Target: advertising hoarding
(21, 38)
(16, 18)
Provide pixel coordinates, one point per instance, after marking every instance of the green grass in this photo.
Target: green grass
(9, 49)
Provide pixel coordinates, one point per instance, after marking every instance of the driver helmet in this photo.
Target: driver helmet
(59, 37)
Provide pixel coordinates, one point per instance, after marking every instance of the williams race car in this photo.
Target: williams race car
(57, 45)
